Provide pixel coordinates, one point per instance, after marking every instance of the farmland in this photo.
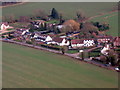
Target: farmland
(67, 9)
(28, 67)
(112, 20)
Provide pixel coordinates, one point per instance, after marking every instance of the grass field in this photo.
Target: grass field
(68, 9)
(28, 67)
(112, 20)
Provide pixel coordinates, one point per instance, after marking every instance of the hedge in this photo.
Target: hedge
(50, 47)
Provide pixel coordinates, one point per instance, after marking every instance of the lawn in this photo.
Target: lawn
(112, 20)
(72, 51)
(68, 9)
(25, 67)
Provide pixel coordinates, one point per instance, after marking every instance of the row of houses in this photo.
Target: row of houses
(64, 41)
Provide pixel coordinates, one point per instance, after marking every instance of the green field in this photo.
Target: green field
(27, 67)
(68, 9)
(112, 20)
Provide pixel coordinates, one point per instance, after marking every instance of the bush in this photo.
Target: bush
(29, 42)
(94, 54)
(18, 40)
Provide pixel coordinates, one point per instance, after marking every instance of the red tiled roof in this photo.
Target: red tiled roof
(57, 39)
(77, 41)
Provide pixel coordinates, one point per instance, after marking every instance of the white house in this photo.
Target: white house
(25, 31)
(77, 43)
(89, 42)
(60, 41)
(104, 39)
(104, 51)
(82, 43)
(4, 26)
(42, 38)
(48, 38)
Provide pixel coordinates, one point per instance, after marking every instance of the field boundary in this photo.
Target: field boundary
(88, 19)
(13, 5)
(59, 52)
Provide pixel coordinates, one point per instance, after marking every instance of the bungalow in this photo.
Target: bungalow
(104, 39)
(82, 42)
(116, 41)
(59, 41)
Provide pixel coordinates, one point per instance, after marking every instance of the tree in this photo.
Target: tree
(71, 25)
(64, 49)
(104, 27)
(12, 18)
(9, 18)
(54, 14)
(41, 26)
(57, 31)
(80, 15)
(88, 29)
(40, 14)
(112, 55)
(31, 26)
(24, 19)
(101, 27)
(61, 18)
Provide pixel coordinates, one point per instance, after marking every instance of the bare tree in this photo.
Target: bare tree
(24, 19)
(40, 13)
(9, 18)
(80, 15)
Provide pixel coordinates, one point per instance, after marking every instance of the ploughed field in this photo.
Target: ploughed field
(25, 67)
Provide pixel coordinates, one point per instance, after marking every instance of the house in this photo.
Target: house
(77, 43)
(89, 42)
(5, 26)
(82, 43)
(42, 37)
(104, 51)
(116, 41)
(104, 39)
(38, 23)
(59, 41)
